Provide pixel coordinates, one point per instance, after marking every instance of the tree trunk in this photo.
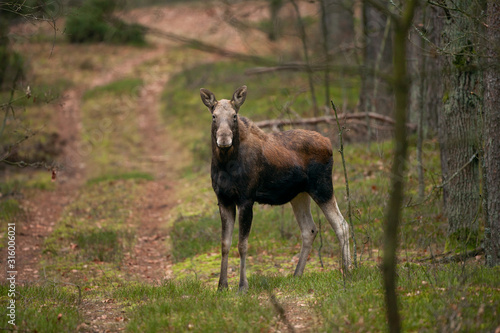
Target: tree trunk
(459, 124)
(339, 22)
(433, 26)
(492, 136)
(274, 9)
(393, 216)
(4, 46)
(375, 24)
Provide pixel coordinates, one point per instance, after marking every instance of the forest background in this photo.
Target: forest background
(105, 157)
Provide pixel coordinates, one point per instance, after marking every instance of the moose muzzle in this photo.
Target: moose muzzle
(224, 136)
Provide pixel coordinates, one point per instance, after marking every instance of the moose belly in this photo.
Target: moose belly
(278, 187)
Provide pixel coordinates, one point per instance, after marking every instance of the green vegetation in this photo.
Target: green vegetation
(94, 22)
(127, 86)
(189, 305)
(43, 307)
(111, 132)
(430, 296)
(28, 116)
(120, 176)
(97, 226)
(9, 209)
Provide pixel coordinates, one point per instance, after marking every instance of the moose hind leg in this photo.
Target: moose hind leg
(340, 226)
(301, 205)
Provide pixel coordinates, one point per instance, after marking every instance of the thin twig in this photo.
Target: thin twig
(443, 184)
(341, 151)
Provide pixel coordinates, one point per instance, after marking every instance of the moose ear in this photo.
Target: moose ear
(239, 96)
(208, 98)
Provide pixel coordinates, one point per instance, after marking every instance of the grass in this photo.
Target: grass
(111, 137)
(98, 226)
(188, 305)
(430, 299)
(120, 176)
(128, 86)
(43, 307)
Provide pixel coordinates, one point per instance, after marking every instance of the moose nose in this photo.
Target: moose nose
(224, 137)
(224, 141)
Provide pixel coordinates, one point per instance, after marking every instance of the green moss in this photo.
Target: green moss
(464, 59)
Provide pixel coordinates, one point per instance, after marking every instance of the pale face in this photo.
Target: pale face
(224, 115)
(224, 122)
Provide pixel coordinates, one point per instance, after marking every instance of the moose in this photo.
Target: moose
(250, 165)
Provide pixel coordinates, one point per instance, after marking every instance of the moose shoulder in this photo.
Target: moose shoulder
(249, 165)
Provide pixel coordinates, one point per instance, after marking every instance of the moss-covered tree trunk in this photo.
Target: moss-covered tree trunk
(492, 135)
(460, 132)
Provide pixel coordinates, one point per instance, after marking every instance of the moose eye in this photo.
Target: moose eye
(213, 117)
(235, 117)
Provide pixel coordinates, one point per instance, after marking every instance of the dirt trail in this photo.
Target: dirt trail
(150, 260)
(44, 209)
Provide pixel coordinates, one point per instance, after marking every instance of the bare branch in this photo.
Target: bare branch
(329, 119)
(199, 45)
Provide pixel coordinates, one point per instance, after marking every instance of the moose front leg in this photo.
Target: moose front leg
(245, 222)
(227, 216)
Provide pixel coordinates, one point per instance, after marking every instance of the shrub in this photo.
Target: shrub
(94, 22)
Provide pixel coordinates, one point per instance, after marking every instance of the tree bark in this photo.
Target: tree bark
(460, 132)
(492, 136)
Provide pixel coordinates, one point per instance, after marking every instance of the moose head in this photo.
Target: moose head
(224, 116)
